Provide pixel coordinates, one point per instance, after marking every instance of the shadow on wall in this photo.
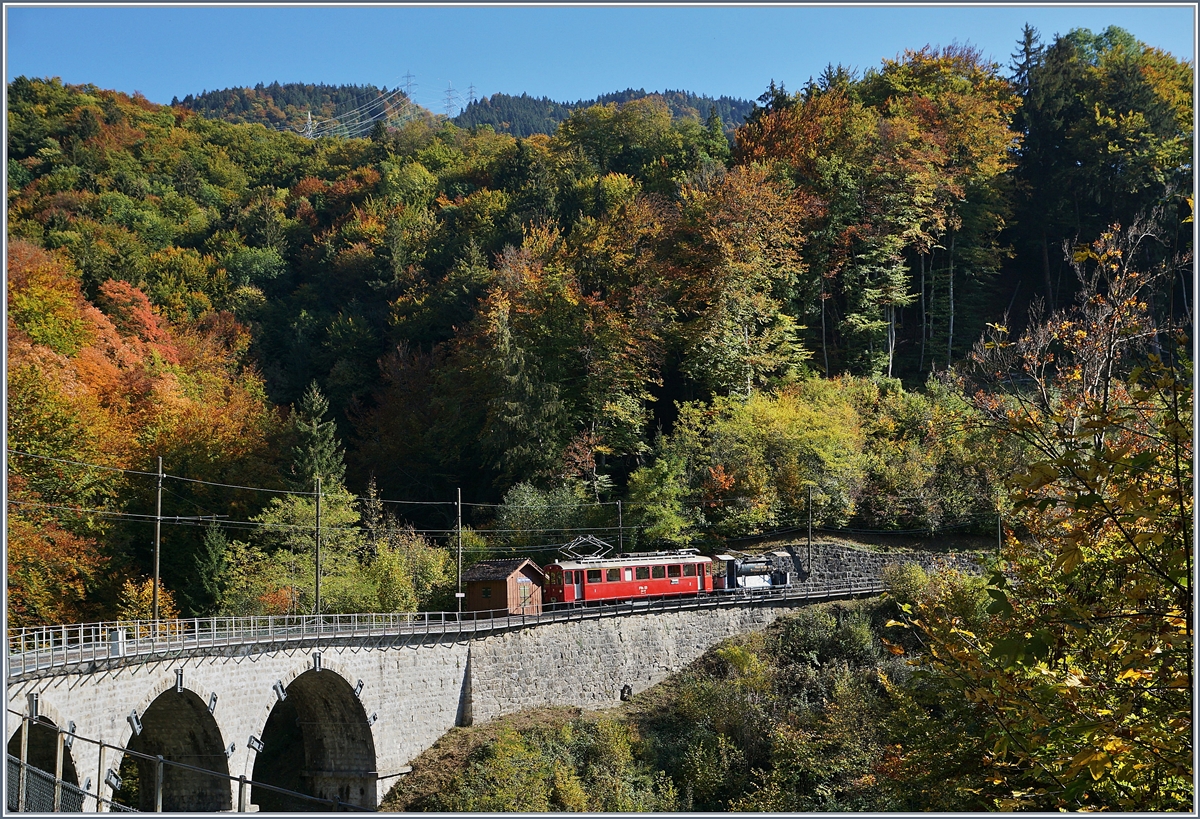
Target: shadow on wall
(179, 727)
(317, 741)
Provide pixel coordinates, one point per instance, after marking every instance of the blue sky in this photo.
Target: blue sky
(566, 53)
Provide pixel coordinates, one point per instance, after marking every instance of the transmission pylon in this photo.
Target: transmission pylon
(306, 131)
(471, 93)
(451, 99)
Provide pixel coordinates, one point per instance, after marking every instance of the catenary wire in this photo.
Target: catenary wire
(81, 463)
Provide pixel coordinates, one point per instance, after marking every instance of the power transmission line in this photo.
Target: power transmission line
(539, 506)
(79, 463)
(391, 106)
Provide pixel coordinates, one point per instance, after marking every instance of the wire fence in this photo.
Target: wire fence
(39, 789)
(33, 790)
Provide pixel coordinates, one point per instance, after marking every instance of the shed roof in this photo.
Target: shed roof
(499, 569)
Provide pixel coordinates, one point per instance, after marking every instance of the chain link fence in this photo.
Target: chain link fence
(39, 791)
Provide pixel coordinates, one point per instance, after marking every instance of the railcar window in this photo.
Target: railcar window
(629, 574)
(613, 575)
(658, 572)
(672, 571)
(689, 569)
(643, 572)
(593, 575)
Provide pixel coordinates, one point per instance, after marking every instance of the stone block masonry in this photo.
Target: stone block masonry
(832, 563)
(587, 663)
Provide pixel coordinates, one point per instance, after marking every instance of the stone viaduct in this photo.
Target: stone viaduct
(340, 712)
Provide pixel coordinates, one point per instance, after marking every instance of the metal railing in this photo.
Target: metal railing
(34, 651)
(33, 790)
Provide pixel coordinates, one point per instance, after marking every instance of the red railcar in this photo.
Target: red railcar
(626, 577)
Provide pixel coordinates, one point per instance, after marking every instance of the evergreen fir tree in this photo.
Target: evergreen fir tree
(318, 451)
(201, 593)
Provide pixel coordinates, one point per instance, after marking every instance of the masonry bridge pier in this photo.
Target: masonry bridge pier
(260, 711)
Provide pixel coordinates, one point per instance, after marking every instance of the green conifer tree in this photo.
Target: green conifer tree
(205, 583)
(318, 451)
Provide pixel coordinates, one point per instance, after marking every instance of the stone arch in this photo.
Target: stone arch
(316, 741)
(177, 726)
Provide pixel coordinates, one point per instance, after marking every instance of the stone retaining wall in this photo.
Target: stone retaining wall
(587, 663)
(833, 564)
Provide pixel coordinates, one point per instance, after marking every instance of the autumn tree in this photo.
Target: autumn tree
(740, 242)
(959, 111)
(1077, 690)
(1106, 124)
(108, 386)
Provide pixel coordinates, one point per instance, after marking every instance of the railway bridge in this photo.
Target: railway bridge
(250, 713)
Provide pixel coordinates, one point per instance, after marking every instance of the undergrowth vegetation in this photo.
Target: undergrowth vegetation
(801, 717)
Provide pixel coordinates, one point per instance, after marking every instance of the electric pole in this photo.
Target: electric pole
(459, 595)
(620, 529)
(409, 85)
(157, 541)
(317, 585)
(810, 528)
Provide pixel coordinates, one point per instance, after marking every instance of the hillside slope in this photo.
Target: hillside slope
(790, 719)
(288, 105)
(525, 115)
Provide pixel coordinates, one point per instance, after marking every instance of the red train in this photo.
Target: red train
(626, 577)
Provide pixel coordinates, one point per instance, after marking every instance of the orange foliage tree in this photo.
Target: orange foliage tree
(95, 389)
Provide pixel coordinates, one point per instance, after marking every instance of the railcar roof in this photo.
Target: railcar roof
(628, 560)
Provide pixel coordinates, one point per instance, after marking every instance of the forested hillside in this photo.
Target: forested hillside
(288, 104)
(525, 116)
(939, 296)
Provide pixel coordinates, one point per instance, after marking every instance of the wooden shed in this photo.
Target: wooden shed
(514, 584)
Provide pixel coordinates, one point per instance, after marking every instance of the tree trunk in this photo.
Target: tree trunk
(1046, 272)
(824, 343)
(892, 336)
(950, 331)
(924, 320)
